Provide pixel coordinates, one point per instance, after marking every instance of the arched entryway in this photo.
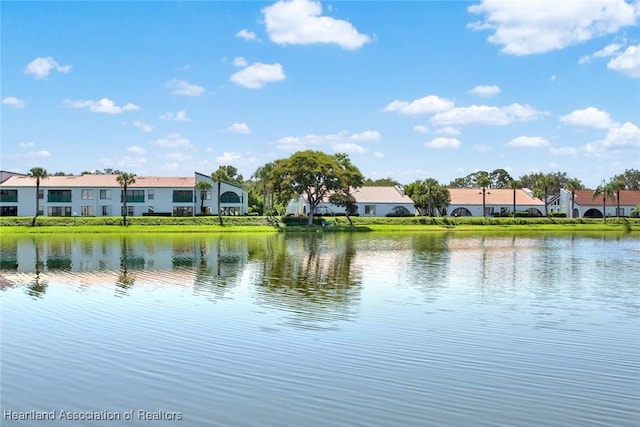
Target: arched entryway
(593, 213)
(534, 212)
(461, 212)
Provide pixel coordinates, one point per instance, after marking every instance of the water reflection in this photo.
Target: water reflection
(312, 278)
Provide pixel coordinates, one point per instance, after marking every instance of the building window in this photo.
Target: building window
(182, 196)
(9, 211)
(59, 211)
(87, 195)
(86, 210)
(59, 196)
(41, 194)
(151, 194)
(106, 210)
(133, 196)
(130, 210)
(8, 196)
(488, 211)
(229, 197)
(207, 195)
(182, 211)
(505, 211)
(150, 209)
(105, 194)
(369, 209)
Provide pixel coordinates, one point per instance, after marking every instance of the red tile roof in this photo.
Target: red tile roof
(100, 181)
(501, 197)
(627, 198)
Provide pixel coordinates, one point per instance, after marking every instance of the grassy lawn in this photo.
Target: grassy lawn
(244, 224)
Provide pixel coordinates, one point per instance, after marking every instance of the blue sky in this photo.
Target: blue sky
(410, 90)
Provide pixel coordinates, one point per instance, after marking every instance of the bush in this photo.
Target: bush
(522, 214)
(297, 220)
(558, 214)
(156, 214)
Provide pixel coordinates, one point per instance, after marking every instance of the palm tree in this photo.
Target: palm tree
(544, 183)
(604, 190)
(514, 184)
(38, 173)
(484, 182)
(616, 186)
(203, 186)
(573, 185)
(219, 175)
(125, 179)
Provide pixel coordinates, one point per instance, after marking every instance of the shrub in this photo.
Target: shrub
(558, 214)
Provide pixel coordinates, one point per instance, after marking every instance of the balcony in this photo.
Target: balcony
(133, 199)
(59, 198)
(8, 198)
(183, 198)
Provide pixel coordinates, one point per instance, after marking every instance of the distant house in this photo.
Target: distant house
(587, 206)
(101, 195)
(370, 201)
(468, 202)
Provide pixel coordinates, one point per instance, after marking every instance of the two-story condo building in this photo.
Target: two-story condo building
(102, 195)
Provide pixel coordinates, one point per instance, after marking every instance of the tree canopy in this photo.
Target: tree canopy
(630, 178)
(315, 175)
(499, 178)
(429, 196)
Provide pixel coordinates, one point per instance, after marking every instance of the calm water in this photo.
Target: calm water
(321, 330)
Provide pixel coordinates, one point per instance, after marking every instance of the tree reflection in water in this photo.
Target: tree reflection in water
(310, 277)
(38, 287)
(125, 278)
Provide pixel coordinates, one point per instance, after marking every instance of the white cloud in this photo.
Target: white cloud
(40, 68)
(524, 28)
(626, 135)
(239, 128)
(14, 102)
(348, 147)
(421, 129)
(527, 142)
(105, 105)
(589, 117)
(608, 50)
(180, 116)
(343, 140)
(484, 91)
(486, 115)
(136, 150)
(448, 130)
(427, 104)
(564, 151)
(228, 157)
(300, 22)
(258, 74)
(173, 140)
(27, 144)
(145, 127)
(442, 142)
(239, 61)
(378, 154)
(628, 62)
(367, 135)
(183, 87)
(246, 34)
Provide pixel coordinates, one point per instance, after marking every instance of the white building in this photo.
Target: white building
(101, 195)
(370, 201)
(585, 205)
(468, 202)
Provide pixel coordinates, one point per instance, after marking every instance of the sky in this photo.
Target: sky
(408, 89)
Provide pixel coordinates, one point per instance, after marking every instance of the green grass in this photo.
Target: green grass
(239, 224)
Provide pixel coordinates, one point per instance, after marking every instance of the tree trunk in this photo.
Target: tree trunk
(219, 213)
(514, 202)
(484, 204)
(33, 223)
(124, 201)
(573, 199)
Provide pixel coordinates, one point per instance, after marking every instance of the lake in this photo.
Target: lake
(332, 329)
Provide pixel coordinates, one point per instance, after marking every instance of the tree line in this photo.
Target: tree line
(320, 176)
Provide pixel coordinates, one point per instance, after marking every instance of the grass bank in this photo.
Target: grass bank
(243, 224)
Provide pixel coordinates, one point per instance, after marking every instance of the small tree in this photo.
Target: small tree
(483, 181)
(125, 179)
(604, 190)
(38, 173)
(515, 185)
(573, 185)
(203, 186)
(543, 185)
(616, 186)
(314, 174)
(220, 175)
